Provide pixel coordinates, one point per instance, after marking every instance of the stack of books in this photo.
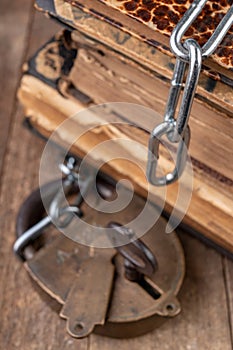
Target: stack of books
(118, 51)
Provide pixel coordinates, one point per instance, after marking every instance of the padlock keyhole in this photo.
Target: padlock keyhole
(151, 290)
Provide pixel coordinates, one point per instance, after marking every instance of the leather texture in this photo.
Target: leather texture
(163, 15)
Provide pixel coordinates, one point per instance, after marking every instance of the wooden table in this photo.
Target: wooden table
(28, 321)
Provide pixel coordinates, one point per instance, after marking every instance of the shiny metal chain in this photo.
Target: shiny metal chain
(187, 20)
(188, 55)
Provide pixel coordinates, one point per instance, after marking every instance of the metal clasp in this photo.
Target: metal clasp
(153, 156)
(61, 216)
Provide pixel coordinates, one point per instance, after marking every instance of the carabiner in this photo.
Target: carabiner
(153, 155)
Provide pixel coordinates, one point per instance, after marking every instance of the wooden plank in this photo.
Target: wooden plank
(16, 17)
(28, 321)
(43, 29)
(228, 274)
(203, 323)
(14, 27)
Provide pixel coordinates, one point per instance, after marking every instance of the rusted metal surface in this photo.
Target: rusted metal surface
(88, 299)
(134, 309)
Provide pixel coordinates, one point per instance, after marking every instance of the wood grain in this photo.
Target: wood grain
(15, 22)
(228, 275)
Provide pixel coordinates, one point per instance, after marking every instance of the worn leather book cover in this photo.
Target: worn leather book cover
(216, 81)
(55, 86)
(150, 21)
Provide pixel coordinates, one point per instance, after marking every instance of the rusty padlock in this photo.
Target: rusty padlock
(122, 292)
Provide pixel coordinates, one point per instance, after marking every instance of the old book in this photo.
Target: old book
(154, 64)
(55, 86)
(145, 41)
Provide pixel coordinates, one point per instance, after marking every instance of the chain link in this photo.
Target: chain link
(187, 20)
